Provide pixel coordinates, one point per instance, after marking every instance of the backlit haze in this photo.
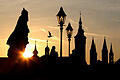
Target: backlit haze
(100, 18)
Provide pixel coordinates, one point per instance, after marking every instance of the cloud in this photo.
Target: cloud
(43, 30)
(116, 19)
(23, 1)
(97, 35)
(38, 30)
(39, 40)
(73, 21)
(55, 38)
(53, 27)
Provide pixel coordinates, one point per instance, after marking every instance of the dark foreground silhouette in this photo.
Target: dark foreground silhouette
(50, 66)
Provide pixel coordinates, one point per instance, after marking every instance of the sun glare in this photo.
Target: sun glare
(27, 53)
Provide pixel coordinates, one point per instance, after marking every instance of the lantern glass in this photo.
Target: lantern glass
(61, 18)
(69, 33)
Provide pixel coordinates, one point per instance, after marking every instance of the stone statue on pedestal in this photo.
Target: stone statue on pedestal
(19, 37)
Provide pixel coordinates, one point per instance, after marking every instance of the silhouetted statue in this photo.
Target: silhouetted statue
(111, 56)
(80, 44)
(105, 53)
(93, 54)
(19, 37)
(53, 56)
(53, 53)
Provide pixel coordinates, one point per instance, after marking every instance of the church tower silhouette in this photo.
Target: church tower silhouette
(80, 43)
(93, 54)
(111, 56)
(35, 52)
(105, 53)
(47, 50)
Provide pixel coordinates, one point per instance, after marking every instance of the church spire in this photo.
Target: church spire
(93, 54)
(80, 21)
(47, 43)
(111, 56)
(111, 50)
(35, 52)
(93, 45)
(104, 44)
(35, 46)
(80, 30)
(47, 50)
(105, 53)
(80, 44)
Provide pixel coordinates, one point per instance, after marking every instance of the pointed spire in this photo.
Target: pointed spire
(47, 43)
(47, 50)
(105, 52)
(80, 30)
(35, 52)
(93, 53)
(35, 46)
(111, 50)
(93, 40)
(93, 47)
(111, 55)
(80, 21)
(104, 44)
(80, 13)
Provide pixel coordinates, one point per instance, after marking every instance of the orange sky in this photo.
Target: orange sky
(100, 18)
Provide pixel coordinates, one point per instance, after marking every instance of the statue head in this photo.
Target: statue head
(24, 12)
(53, 47)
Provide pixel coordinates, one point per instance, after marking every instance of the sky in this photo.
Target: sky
(101, 18)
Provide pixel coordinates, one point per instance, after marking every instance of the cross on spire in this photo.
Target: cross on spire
(80, 21)
(80, 13)
(35, 52)
(47, 42)
(35, 45)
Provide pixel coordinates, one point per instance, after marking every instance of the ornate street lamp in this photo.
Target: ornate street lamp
(61, 16)
(69, 30)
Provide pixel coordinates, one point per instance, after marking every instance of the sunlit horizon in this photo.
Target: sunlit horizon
(27, 53)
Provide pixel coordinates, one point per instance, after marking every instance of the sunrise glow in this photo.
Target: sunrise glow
(27, 53)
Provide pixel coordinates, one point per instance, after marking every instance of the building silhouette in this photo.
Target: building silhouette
(80, 44)
(111, 56)
(93, 54)
(35, 52)
(104, 53)
(47, 50)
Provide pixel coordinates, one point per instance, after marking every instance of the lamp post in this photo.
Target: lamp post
(61, 16)
(69, 30)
